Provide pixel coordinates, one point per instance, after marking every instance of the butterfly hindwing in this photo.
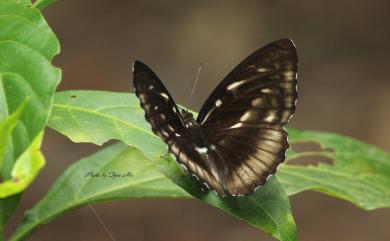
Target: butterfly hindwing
(244, 116)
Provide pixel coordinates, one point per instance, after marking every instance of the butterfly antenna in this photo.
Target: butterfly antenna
(193, 88)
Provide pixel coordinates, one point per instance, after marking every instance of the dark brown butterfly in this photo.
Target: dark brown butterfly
(238, 139)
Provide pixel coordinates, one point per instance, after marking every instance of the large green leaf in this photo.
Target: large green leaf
(265, 209)
(97, 116)
(27, 46)
(360, 173)
(268, 208)
(78, 186)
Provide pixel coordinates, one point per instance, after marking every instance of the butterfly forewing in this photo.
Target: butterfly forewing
(160, 110)
(244, 116)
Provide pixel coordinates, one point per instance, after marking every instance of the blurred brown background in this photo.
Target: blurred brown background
(344, 87)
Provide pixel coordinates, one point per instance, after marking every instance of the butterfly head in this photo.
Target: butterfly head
(191, 124)
(188, 119)
(187, 116)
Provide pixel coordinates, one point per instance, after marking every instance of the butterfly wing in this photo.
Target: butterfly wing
(166, 121)
(244, 116)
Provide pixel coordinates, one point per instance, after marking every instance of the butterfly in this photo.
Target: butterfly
(238, 139)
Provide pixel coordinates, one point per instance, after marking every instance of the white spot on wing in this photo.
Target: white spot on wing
(262, 70)
(289, 75)
(170, 128)
(201, 150)
(257, 102)
(270, 118)
(165, 96)
(246, 116)
(164, 133)
(235, 85)
(266, 90)
(150, 87)
(175, 149)
(218, 103)
(236, 125)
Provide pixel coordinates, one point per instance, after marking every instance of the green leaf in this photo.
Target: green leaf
(41, 4)
(25, 169)
(27, 46)
(78, 186)
(97, 116)
(24, 2)
(6, 128)
(27, 165)
(359, 173)
(268, 208)
(73, 189)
